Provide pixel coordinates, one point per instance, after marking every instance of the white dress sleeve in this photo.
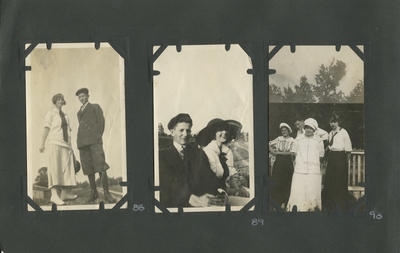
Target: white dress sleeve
(48, 119)
(215, 165)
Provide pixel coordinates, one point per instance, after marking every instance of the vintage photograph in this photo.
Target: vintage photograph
(75, 109)
(316, 129)
(203, 128)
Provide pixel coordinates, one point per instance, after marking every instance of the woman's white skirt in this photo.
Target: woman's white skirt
(305, 193)
(60, 170)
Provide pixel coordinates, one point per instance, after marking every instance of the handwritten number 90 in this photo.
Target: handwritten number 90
(376, 216)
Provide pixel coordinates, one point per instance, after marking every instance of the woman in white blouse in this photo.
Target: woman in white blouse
(335, 184)
(214, 138)
(282, 170)
(56, 140)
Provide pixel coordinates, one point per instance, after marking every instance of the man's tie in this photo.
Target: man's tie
(182, 152)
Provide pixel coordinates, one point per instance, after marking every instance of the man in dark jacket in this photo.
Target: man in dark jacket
(186, 178)
(90, 144)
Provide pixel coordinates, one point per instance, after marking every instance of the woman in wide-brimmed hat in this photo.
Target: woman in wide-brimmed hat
(282, 170)
(213, 138)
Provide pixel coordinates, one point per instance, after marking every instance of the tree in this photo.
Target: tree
(289, 94)
(304, 91)
(275, 94)
(327, 82)
(357, 94)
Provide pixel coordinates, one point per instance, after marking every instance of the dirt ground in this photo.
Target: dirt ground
(84, 193)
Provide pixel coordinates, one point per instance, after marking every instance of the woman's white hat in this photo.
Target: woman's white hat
(285, 125)
(311, 123)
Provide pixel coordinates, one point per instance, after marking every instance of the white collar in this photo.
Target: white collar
(214, 147)
(84, 106)
(57, 111)
(178, 146)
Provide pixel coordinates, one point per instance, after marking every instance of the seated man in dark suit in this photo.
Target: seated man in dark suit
(185, 175)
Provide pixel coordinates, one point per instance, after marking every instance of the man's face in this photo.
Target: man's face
(83, 98)
(181, 133)
(299, 124)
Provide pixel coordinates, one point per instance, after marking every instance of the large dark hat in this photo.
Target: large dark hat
(232, 127)
(82, 90)
(181, 117)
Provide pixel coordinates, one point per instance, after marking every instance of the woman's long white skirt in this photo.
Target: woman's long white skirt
(305, 193)
(60, 170)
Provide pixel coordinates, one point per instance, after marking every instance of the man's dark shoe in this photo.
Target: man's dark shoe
(109, 198)
(93, 195)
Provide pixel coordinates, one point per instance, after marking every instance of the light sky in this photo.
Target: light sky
(65, 69)
(206, 82)
(306, 61)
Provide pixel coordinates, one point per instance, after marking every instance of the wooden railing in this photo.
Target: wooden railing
(356, 172)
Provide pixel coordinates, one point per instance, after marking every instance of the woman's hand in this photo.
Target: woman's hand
(274, 152)
(243, 193)
(46, 131)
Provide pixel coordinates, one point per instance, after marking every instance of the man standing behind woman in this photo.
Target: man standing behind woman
(336, 176)
(306, 182)
(299, 123)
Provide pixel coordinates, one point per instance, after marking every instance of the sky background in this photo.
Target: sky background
(65, 69)
(306, 61)
(206, 82)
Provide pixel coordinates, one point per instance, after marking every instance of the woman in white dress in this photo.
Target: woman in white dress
(305, 192)
(56, 140)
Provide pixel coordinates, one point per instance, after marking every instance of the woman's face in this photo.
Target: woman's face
(60, 102)
(334, 125)
(308, 131)
(284, 131)
(221, 136)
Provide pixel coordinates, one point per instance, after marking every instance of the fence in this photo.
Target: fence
(356, 173)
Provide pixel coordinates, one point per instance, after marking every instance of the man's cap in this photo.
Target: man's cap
(181, 117)
(82, 90)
